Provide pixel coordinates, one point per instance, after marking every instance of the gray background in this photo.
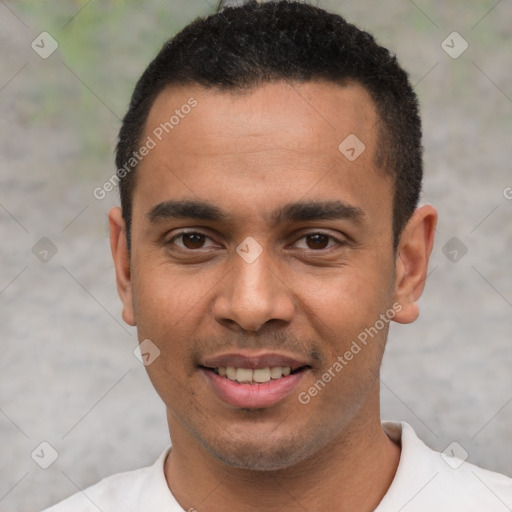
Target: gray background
(68, 373)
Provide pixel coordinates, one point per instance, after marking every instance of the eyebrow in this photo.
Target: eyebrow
(291, 212)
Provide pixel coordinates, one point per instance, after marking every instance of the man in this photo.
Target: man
(270, 167)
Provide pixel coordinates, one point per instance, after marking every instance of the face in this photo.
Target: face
(281, 263)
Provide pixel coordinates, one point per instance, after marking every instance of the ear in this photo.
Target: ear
(413, 253)
(121, 256)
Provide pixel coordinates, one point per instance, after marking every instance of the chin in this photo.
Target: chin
(263, 453)
(255, 459)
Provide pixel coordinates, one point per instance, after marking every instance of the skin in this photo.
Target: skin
(249, 154)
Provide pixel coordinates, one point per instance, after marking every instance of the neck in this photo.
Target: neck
(352, 472)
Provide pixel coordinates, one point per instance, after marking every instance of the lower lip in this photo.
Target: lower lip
(253, 396)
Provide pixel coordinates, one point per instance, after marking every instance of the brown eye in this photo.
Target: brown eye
(190, 240)
(195, 240)
(317, 241)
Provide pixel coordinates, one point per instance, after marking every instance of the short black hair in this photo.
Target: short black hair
(239, 48)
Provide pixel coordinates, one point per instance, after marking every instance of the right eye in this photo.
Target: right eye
(191, 240)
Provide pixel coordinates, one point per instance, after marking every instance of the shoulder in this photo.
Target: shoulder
(116, 492)
(427, 480)
(471, 487)
(122, 491)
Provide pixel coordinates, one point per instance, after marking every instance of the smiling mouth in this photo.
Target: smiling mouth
(257, 375)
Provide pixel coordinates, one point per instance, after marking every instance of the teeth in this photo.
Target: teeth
(260, 375)
(243, 375)
(276, 372)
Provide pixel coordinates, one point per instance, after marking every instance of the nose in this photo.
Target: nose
(253, 295)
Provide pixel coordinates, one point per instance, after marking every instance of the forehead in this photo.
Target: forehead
(298, 138)
(311, 115)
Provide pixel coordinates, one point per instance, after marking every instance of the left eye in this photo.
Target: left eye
(319, 240)
(195, 240)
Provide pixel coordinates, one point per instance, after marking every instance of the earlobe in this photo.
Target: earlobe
(121, 257)
(413, 254)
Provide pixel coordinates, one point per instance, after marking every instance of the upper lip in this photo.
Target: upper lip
(253, 360)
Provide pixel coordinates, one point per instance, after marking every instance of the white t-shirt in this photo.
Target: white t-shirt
(425, 481)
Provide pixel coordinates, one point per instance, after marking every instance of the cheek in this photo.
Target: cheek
(162, 292)
(346, 315)
(167, 314)
(351, 300)
(166, 307)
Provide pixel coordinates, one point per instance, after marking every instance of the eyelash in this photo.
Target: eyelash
(182, 233)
